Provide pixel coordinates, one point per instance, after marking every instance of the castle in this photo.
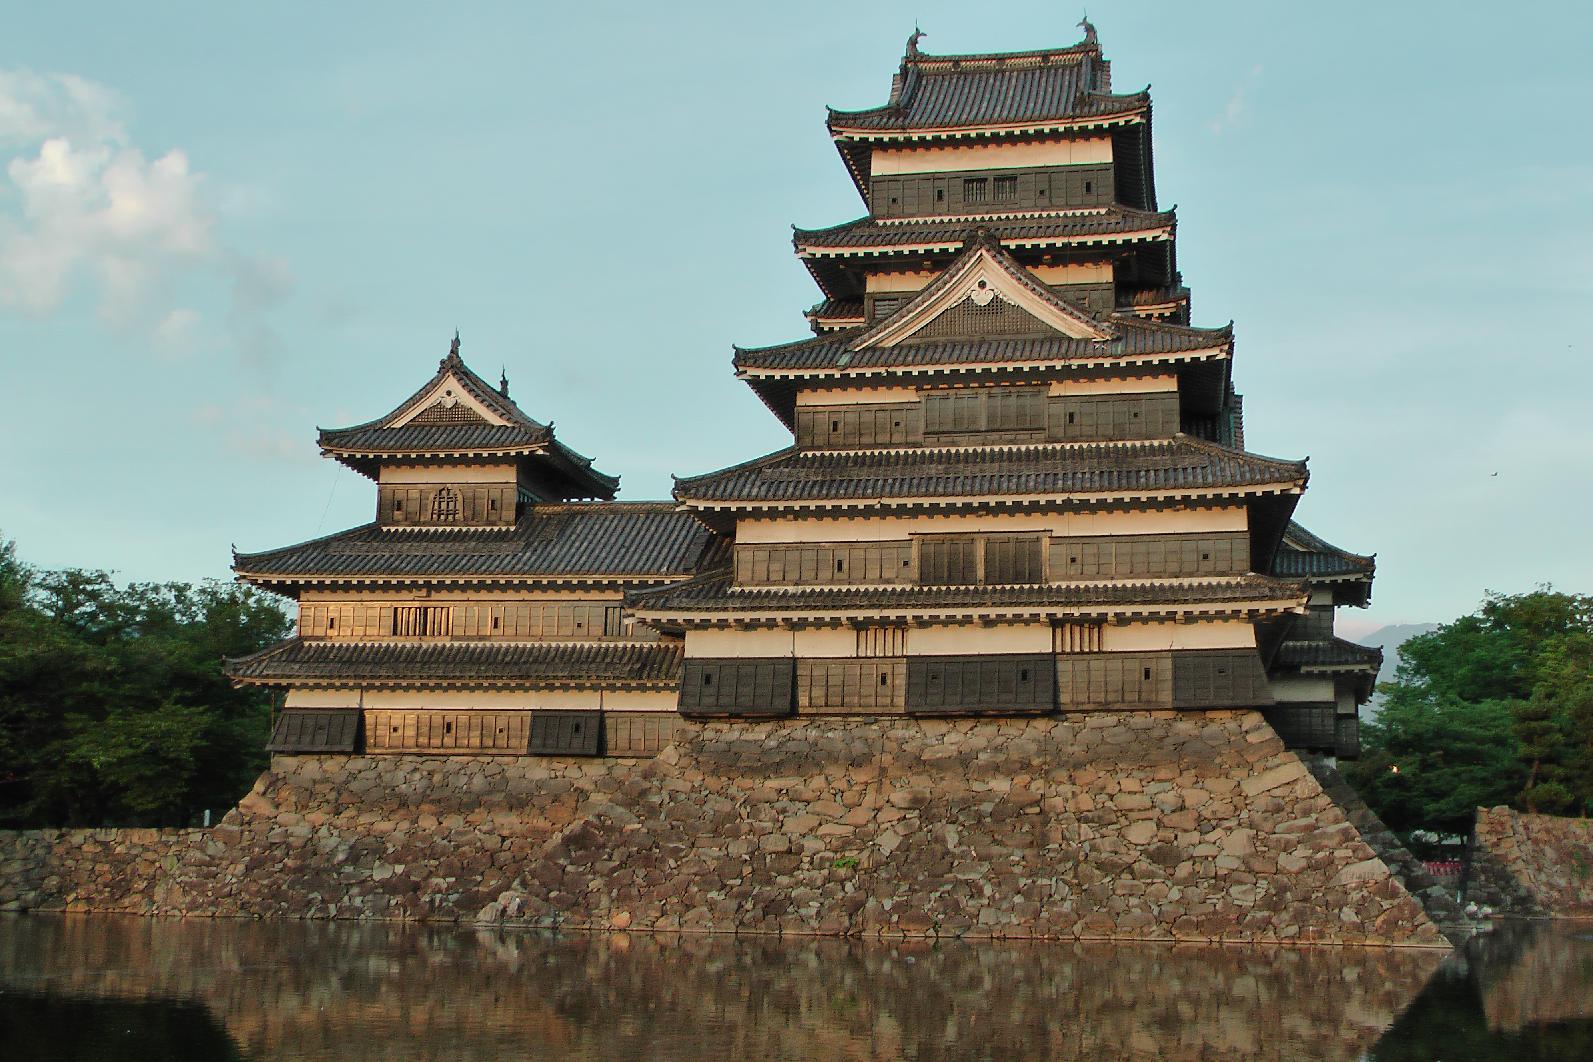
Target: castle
(1018, 486)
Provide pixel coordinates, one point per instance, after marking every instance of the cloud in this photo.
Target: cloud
(93, 210)
(1234, 109)
(177, 332)
(251, 427)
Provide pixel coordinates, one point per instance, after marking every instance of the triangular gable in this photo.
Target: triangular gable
(448, 399)
(983, 276)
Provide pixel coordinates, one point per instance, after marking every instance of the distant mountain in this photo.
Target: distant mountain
(1389, 639)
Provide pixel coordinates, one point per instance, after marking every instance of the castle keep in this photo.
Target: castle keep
(1016, 638)
(1018, 485)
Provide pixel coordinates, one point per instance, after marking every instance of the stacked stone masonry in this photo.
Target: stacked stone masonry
(1532, 865)
(1150, 825)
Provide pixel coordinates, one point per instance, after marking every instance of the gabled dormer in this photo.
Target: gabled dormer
(984, 293)
(460, 453)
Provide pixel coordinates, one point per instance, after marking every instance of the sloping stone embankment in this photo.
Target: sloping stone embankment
(1531, 865)
(1147, 825)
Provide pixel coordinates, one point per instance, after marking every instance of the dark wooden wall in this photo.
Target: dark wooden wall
(990, 416)
(991, 191)
(480, 504)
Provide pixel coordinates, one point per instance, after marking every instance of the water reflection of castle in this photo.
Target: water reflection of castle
(308, 990)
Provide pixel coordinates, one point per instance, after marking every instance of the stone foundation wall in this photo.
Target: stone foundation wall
(1151, 825)
(1533, 865)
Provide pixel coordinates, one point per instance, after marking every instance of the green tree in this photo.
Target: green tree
(113, 706)
(1494, 708)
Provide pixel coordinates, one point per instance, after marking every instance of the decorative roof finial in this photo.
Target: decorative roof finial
(453, 348)
(912, 42)
(1089, 30)
(503, 381)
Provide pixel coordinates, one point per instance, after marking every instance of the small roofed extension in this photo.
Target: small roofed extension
(1319, 679)
(480, 613)
(1018, 481)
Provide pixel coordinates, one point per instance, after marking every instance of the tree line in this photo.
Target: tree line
(113, 707)
(1494, 708)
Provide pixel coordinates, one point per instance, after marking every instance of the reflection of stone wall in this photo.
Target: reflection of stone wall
(1531, 864)
(1536, 977)
(391, 993)
(1158, 825)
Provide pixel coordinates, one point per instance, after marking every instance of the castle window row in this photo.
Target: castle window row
(966, 191)
(999, 559)
(972, 685)
(990, 416)
(532, 620)
(442, 504)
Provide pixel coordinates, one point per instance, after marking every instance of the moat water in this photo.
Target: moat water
(101, 987)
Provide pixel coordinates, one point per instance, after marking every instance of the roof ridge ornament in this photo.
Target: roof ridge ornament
(503, 380)
(1089, 29)
(453, 354)
(912, 42)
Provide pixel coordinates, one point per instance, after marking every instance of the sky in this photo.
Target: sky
(222, 226)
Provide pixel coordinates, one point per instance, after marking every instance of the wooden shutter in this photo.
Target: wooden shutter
(307, 730)
(946, 560)
(565, 733)
(848, 685)
(1114, 680)
(1219, 678)
(637, 733)
(1011, 559)
(980, 685)
(710, 687)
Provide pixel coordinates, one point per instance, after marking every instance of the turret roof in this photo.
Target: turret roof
(478, 420)
(933, 92)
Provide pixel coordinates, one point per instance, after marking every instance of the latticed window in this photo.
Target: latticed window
(445, 506)
(439, 413)
(975, 189)
(1005, 190)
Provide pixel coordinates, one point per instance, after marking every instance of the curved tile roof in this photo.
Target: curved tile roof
(1304, 555)
(956, 91)
(300, 662)
(591, 541)
(1136, 337)
(716, 592)
(1329, 653)
(1181, 464)
(871, 234)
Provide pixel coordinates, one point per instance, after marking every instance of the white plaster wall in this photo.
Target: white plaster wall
(895, 528)
(1147, 637)
(447, 473)
(892, 160)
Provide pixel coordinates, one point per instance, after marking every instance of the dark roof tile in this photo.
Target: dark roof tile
(478, 663)
(1181, 464)
(834, 351)
(1329, 653)
(716, 592)
(868, 233)
(592, 541)
(954, 91)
